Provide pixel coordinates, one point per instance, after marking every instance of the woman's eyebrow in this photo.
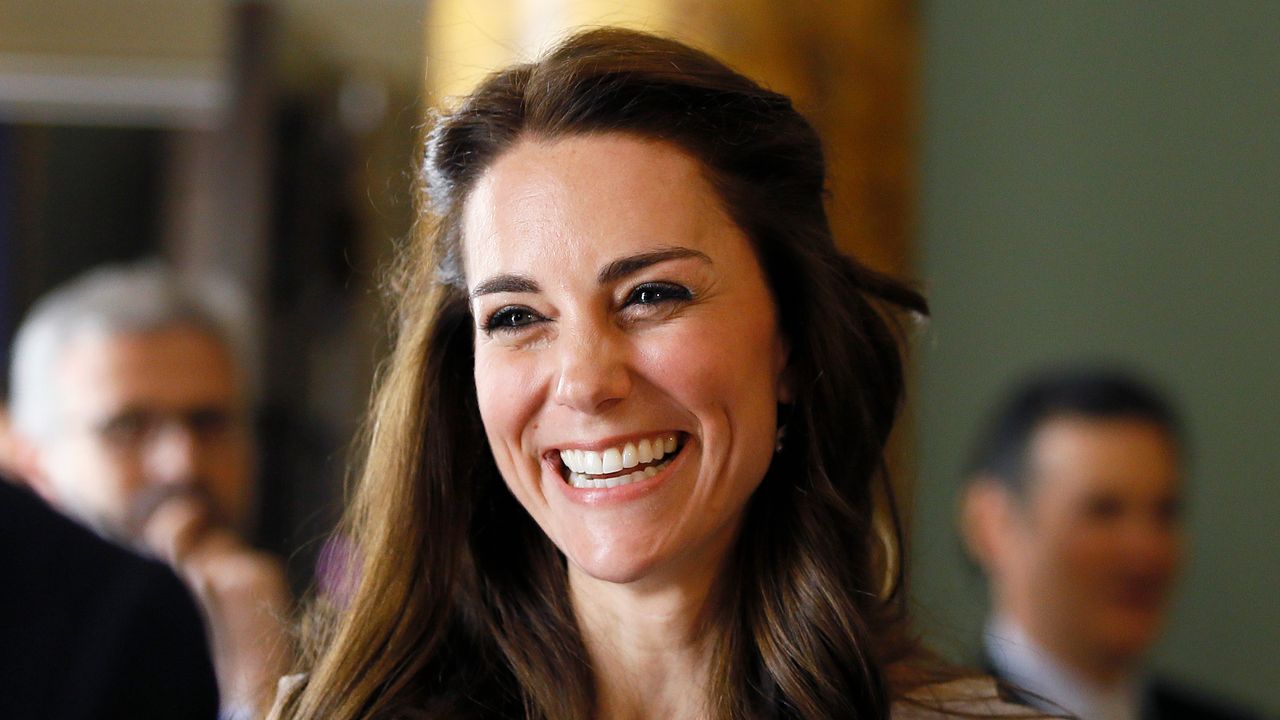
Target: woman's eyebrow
(509, 282)
(622, 267)
(614, 271)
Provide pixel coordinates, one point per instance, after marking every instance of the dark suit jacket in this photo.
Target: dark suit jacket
(1168, 701)
(89, 630)
(1163, 701)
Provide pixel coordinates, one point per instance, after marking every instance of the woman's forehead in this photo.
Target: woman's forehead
(587, 197)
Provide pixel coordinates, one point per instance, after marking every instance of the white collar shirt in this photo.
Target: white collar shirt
(1053, 687)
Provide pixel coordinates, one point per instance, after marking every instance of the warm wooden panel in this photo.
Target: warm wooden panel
(851, 66)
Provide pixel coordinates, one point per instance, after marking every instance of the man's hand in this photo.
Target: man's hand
(242, 592)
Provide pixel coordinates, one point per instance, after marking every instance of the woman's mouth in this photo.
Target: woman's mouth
(627, 463)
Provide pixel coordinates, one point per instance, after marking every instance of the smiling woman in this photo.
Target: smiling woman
(643, 319)
(625, 460)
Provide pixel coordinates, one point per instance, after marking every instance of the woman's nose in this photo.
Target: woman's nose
(594, 375)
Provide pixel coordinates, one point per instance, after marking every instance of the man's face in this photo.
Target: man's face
(143, 414)
(1097, 541)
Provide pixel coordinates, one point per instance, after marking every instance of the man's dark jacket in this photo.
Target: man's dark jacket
(89, 630)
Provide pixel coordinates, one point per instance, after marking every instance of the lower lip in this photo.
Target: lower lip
(597, 497)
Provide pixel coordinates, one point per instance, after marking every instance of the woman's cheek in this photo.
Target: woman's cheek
(486, 381)
(688, 364)
(505, 395)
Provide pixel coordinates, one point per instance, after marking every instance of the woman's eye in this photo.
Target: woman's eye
(510, 318)
(654, 293)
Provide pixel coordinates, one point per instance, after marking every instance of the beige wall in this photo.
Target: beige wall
(188, 30)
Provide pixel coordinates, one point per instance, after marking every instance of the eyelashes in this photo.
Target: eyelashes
(654, 293)
(646, 300)
(510, 318)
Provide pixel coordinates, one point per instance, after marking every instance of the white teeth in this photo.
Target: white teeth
(611, 461)
(583, 464)
(570, 459)
(644, 451)
(579, 480)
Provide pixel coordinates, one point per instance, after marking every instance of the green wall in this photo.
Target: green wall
(1102, 180)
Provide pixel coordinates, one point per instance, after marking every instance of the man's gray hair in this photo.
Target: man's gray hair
(116, 299)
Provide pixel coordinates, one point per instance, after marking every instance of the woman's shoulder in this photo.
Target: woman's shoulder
(973, 697)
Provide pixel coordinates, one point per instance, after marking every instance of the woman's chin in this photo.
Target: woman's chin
(650, 562)
(618, 565)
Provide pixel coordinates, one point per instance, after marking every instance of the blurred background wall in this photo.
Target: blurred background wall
(1102, 179)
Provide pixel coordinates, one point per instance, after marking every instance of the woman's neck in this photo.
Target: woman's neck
(650, 644)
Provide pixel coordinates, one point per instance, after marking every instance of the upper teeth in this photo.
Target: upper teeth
(614, 459)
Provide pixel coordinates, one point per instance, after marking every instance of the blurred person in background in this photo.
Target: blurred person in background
(1073, 510)
(130, 396)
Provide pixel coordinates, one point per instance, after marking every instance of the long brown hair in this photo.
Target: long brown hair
(462, 607)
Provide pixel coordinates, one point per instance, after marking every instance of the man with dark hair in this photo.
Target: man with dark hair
(1073, 510)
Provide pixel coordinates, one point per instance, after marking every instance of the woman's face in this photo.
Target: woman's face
(628, 362)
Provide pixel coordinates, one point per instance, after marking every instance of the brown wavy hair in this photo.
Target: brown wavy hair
(462, 606)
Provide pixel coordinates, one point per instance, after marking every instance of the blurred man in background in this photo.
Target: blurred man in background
(1073, 511)
(130, 404)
